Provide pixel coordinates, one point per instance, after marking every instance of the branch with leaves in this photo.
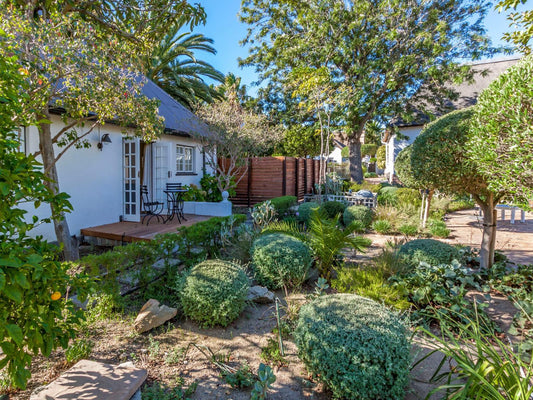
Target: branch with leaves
(235, 135)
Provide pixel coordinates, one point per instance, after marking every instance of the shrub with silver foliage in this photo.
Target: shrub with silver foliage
(280, 260)
(214, 292)
(357, 347)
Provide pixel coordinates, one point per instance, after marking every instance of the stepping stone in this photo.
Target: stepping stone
(91, 380)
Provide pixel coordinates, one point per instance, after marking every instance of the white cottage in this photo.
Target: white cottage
(468, 94)
(104, 180)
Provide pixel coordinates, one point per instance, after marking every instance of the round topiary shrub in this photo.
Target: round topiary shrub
(280, 260)
(429, 251)
(214, 292)
(332, 208)
(355, 346)
(304, 211)
(358, 213)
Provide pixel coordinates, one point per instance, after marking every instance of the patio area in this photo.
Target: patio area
(135, 231)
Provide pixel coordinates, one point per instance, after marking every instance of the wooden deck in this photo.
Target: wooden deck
(135, 231)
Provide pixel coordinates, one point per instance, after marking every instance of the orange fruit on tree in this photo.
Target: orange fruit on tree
(55, 296)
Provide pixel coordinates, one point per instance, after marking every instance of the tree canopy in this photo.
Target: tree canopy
(501, 143)
(175, 67)
(236, 133)
(404, 169)
(31, 322)
(439, 160)
(521, 22)
(380, 54)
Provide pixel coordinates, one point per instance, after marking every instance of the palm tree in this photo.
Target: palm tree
(174, 67)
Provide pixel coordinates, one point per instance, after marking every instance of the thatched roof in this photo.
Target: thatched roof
(179, 120)
(484, 73)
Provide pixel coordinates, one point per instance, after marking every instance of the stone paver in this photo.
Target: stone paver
(514, 240)
(91, 380)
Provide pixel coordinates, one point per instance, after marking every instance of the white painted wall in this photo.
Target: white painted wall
(93, 178)
(336, 155)
(394, 146)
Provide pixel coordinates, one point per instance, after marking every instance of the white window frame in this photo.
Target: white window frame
(183, 165)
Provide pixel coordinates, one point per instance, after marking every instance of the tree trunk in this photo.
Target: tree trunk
(356, 167)
(427, 208)
(423, 205)
(70, 247)
(488, 242)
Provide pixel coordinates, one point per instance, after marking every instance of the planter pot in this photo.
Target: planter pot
(221, 209)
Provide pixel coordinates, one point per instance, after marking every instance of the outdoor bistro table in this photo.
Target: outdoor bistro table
(175, 204)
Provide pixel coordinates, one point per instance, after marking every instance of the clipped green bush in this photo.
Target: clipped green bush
(304, 211)
(280, 260)
(358, 213)
(371, 175)
(283, 204)
(388, 196)
(214, 292)
(382, 226)
(332, 208)
(355, 346)
(429, 251)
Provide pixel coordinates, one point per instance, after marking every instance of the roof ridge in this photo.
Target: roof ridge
(495, 61)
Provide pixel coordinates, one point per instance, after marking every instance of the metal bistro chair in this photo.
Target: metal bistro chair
(150, 208)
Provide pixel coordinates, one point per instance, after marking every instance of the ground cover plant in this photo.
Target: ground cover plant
(371, 284)
(214, 292)
(375, 356)
(430, 251)
(438, 292)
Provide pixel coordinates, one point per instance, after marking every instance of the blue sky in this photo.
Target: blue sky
(224, 28)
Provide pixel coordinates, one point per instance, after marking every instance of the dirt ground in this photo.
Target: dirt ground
(241, 341)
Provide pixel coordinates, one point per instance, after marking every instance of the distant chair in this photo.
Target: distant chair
(150, 208)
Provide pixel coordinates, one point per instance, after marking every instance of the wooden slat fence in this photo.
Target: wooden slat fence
(269, 177)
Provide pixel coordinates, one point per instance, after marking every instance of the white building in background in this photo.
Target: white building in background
(468, 94)
(104, 181)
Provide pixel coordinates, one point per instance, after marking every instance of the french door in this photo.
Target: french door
(131, 181)
(161, 170)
